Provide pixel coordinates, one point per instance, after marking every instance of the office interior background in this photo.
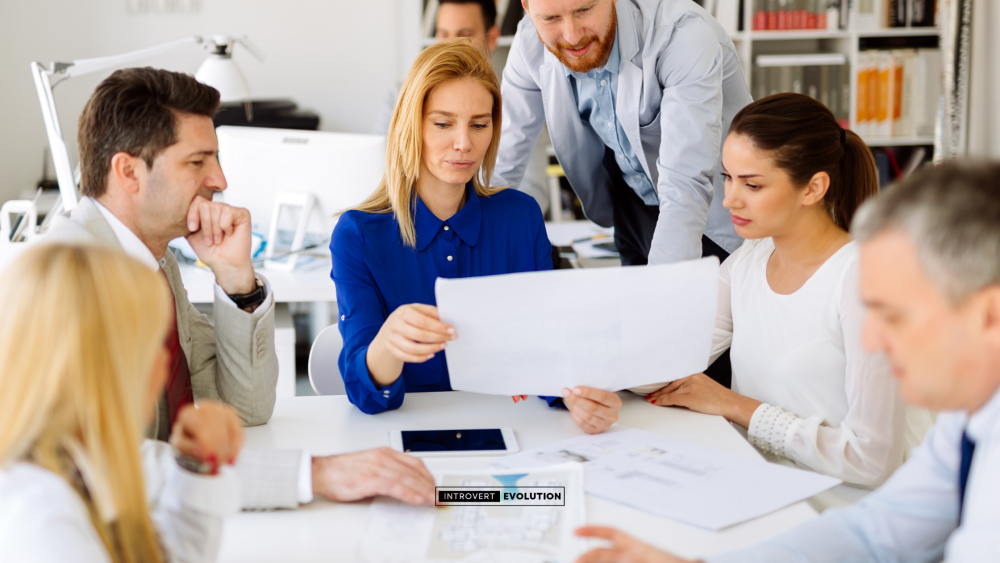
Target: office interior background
(338, 59)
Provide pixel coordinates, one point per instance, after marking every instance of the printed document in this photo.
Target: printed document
(514, 532)
(608, 328)
(693, 484)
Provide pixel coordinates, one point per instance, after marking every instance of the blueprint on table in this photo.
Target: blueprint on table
(398, 532)
(686, 482)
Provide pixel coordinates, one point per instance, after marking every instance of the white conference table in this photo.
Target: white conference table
(309, 283)
(323, 531)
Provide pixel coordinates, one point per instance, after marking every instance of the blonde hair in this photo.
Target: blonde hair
(82, 328)
(438, 64)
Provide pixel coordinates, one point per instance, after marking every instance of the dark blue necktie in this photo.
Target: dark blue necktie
(968, 447)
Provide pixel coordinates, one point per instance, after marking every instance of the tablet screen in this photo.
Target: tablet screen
(453, 440)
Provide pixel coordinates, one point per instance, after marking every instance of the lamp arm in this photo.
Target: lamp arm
(245, 41)
(57, 147)
(86, 66)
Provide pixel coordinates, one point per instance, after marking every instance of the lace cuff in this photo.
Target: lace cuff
(771, 429)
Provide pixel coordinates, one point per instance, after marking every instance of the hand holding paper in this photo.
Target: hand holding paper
(608, 328)
(593, 410)
(413, 334)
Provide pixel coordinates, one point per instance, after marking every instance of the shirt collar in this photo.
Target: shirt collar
(129, 241)
(465, 222)
(985, 420)
(611, 66)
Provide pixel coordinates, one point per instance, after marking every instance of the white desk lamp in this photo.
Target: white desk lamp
(219, 71)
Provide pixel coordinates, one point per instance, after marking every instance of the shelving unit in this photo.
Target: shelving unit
(751, 43)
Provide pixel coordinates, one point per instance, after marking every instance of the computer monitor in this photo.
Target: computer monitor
(339, 169)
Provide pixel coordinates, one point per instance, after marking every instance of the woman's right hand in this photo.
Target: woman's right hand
(209, 432)
(412, 334)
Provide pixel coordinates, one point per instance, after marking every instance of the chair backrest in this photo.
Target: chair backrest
(324, 375)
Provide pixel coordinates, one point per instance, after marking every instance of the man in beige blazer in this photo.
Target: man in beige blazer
(145, 185)
(149, 167)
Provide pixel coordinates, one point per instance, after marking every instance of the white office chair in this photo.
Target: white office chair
(324, 375)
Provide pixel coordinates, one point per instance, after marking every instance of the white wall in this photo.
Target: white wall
(335, 57)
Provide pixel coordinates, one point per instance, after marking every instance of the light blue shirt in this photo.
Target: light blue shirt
(596, 94)
(680, 84)
(913, 517)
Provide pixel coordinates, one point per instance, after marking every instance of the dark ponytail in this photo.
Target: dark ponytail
(804, 138)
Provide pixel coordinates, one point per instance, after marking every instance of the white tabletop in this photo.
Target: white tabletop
(324, 531)
(309, 282)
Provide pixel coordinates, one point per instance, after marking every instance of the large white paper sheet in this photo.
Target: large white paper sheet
(608, 328)
(398, 532)
(685, 482)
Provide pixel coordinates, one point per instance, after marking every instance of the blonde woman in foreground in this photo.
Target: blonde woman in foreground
(435, 214)
(82, 364)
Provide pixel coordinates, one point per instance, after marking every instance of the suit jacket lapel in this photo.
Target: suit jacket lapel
(88, 216)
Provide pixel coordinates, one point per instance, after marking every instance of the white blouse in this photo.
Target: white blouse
(828, 404)
(43, 519)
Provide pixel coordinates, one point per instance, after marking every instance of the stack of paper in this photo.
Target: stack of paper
(500, 533)
(685, 482)
(611, 329)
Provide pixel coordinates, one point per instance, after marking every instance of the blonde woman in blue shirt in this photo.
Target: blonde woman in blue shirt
(435, 214)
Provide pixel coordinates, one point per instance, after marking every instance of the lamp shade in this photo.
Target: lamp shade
(220, 72)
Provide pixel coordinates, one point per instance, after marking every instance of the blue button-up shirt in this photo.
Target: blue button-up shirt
(914, 516)
(376, 272)
(596, 95)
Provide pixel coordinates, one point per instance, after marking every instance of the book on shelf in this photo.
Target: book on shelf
(887, 14)
(895, 163)
(898, 92)
(823, 76)
(512, 16)
(787, 15)
(728, 13)
(430, 17)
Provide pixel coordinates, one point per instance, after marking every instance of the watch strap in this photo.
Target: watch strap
(249, 300)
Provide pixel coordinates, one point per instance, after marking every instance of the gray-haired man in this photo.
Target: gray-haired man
(930, 278)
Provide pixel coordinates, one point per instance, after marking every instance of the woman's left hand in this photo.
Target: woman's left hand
(701, 393)
(209, 432)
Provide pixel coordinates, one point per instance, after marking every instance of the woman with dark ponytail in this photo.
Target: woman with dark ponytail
(789, 308)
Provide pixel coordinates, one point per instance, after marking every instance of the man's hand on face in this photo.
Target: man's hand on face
(220, 236)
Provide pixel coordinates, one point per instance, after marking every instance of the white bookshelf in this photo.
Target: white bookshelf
(750, 43)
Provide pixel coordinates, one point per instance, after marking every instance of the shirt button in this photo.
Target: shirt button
(609, 124)
(446, 227)
(450, 258)
(342, 317)
(604, 83)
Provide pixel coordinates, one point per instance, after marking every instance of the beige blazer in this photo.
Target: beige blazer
(232, 361)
